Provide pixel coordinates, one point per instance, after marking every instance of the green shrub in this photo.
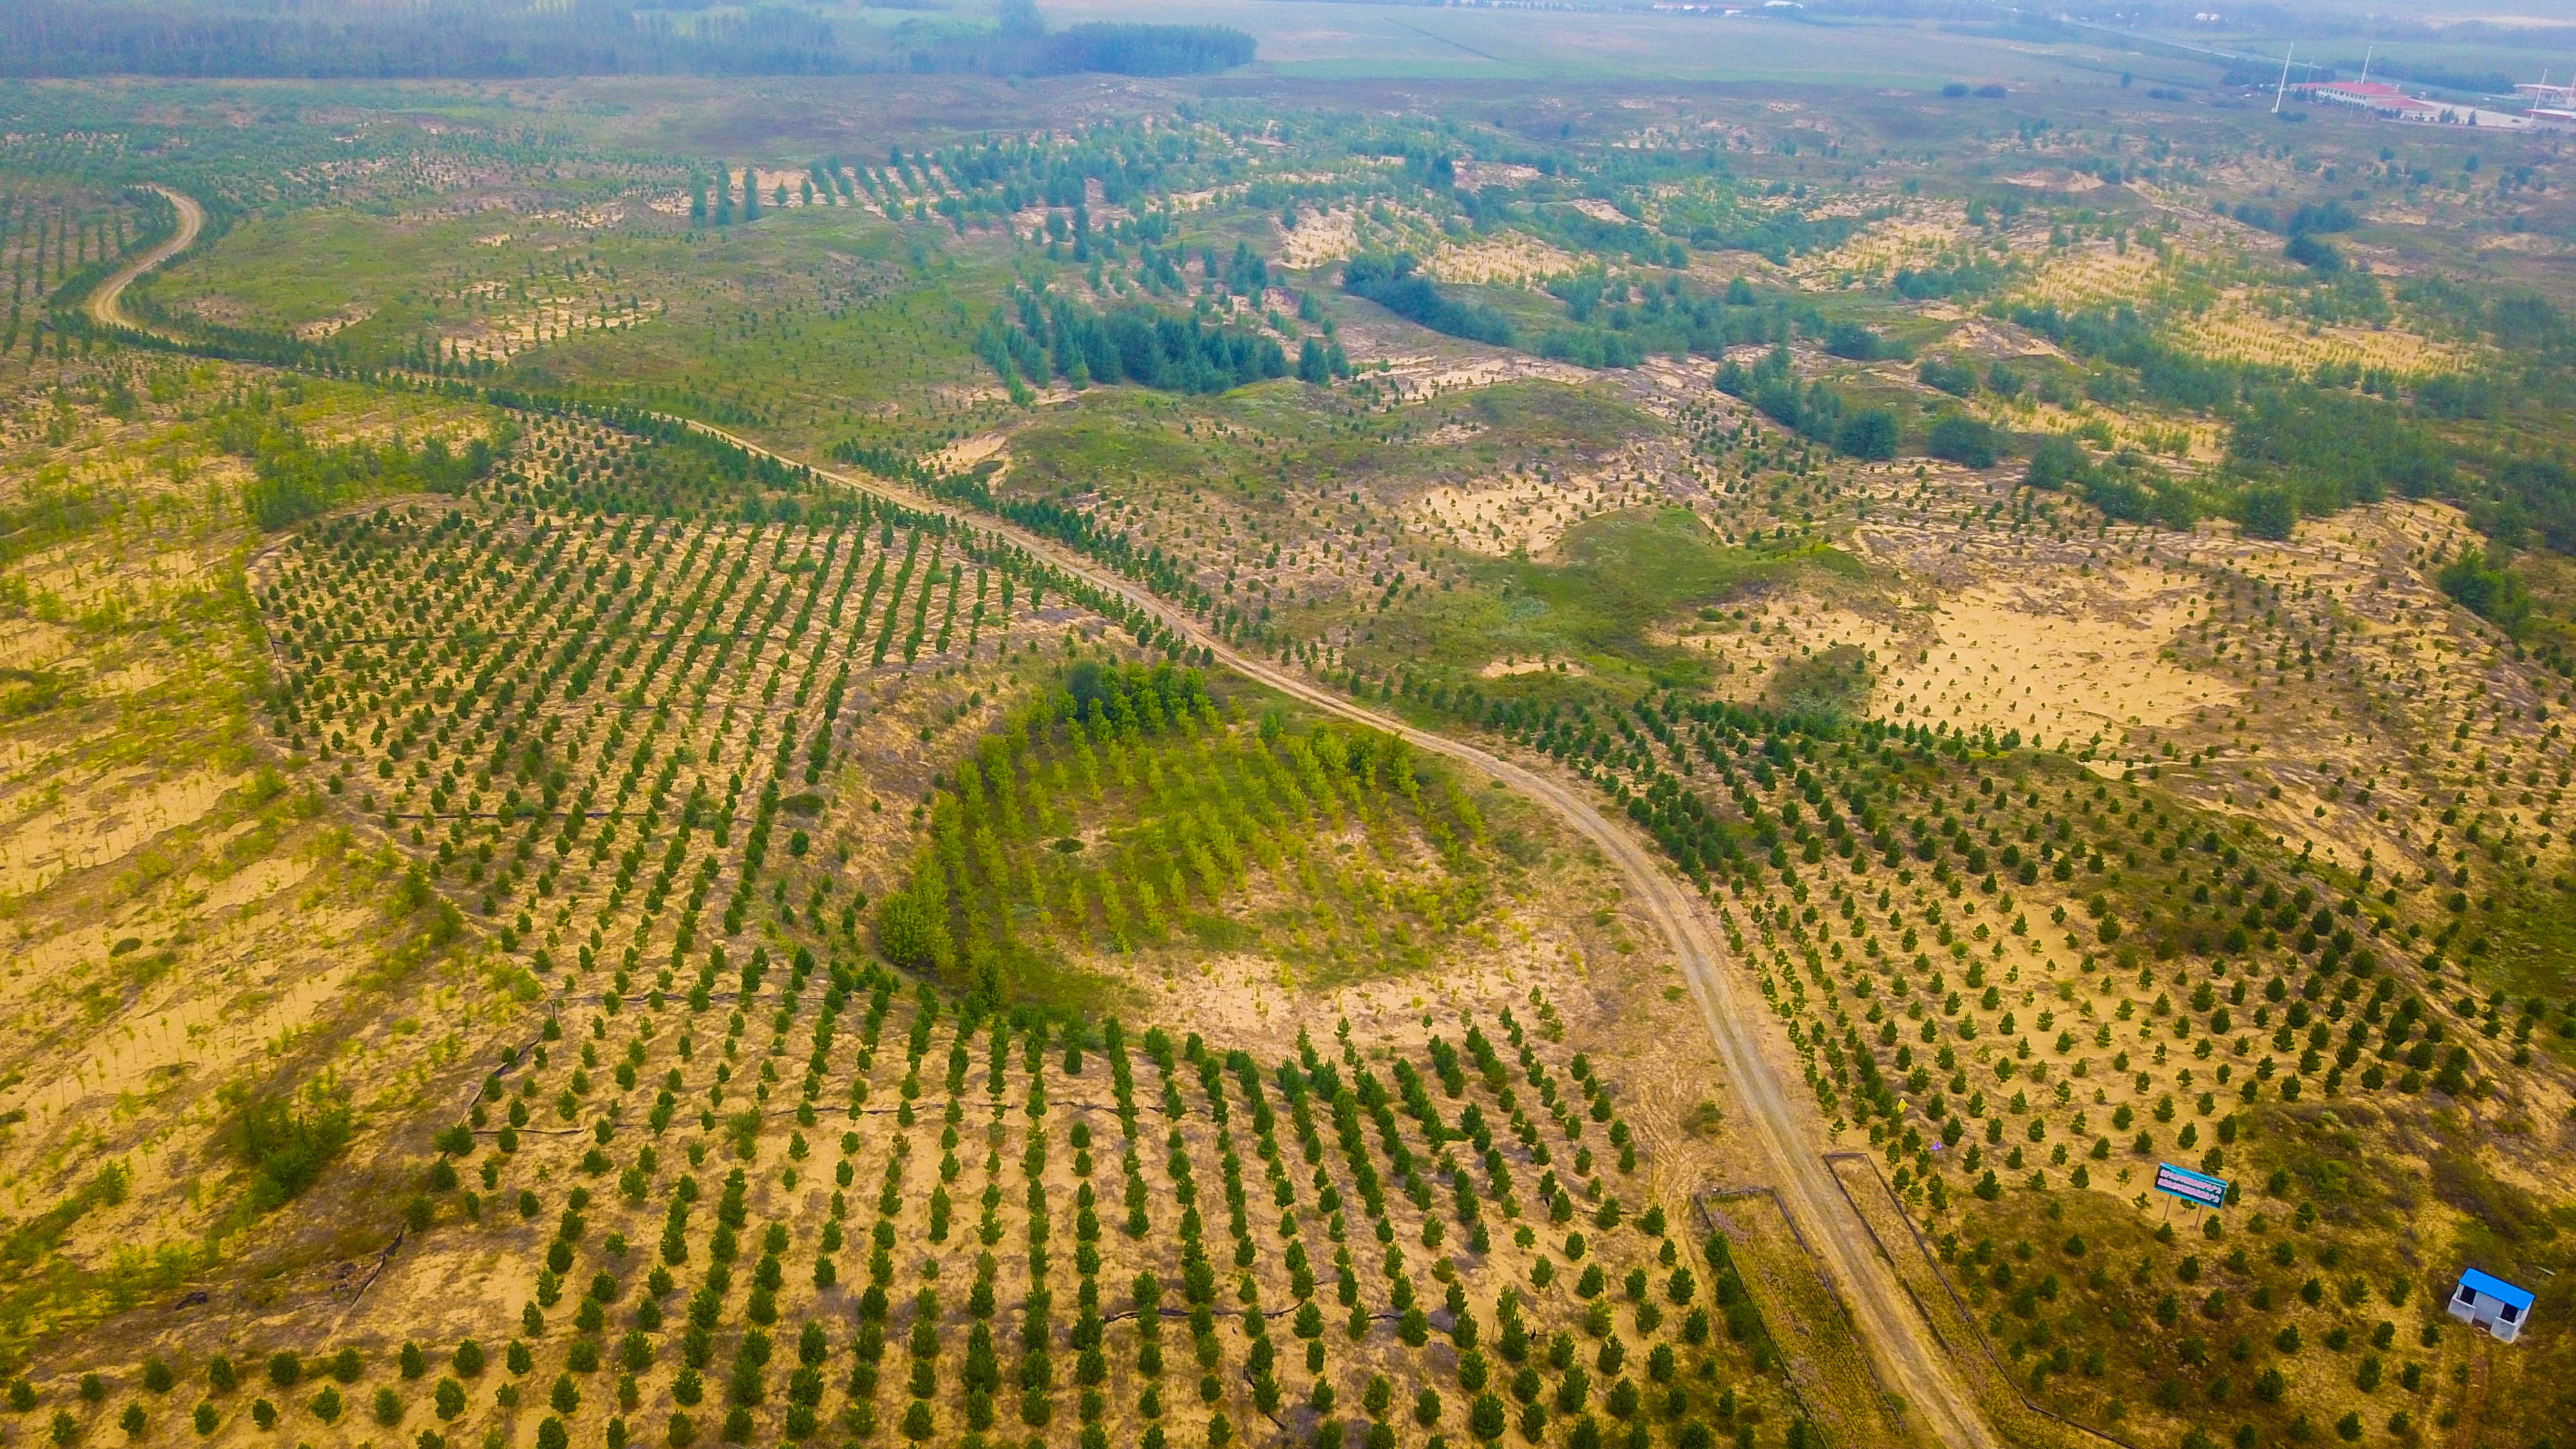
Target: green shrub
(1955, 378)
(2266, 512)
(2057, 461)
(1871, 433)
(286, 1149)
(912, 932)
(2484, 586)
(1964, 440)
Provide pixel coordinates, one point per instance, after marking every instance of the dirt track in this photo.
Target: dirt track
(103, 308)
(1912, 1363)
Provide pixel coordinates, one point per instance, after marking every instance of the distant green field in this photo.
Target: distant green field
(1351, 43)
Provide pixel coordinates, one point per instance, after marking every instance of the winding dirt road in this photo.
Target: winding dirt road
(1783, 1120)
(103, 305)
(1916, 1369)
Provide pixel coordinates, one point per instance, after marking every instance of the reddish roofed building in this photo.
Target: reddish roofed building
(2371, 96)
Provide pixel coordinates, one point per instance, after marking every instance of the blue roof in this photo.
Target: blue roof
(2495, 1288)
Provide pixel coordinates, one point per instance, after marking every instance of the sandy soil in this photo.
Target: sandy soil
(2092, 272)
(2055, 658)
(1498, 516)
(1920, 234)
(1319, 240)
(965, 453)
(1477, 175)
(1507, 258)
(2238, 329)
(337, 322)
(2054, 180)
(1417, 376)
(517, 329)
(1507, 667)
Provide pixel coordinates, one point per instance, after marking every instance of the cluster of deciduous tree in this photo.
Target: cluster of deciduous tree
(295, 479)
(1041, 339)
(1815, 409)
(1395, 283)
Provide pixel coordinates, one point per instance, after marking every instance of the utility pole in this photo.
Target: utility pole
(2283, 89)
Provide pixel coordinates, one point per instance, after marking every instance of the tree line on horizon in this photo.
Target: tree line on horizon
(493, 39)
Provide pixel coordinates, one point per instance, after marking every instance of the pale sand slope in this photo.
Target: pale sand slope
(1786, 633)
(2053, 653)
(1506, 258)
(2059, 655)
(1497, 516)
(1320, 240)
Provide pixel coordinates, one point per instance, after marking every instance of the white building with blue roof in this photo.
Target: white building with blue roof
(2488, 1302)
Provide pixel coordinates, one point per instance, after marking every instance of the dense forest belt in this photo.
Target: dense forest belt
(103, 308)
(1911, 1362)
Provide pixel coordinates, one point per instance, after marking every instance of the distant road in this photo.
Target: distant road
(103, 308)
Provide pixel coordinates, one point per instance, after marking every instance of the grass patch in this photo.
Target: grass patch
(1825, 688)
(1618, 574)
(285, 1142)
(1373, 848)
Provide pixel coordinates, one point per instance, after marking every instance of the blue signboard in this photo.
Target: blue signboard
(2190, 1186)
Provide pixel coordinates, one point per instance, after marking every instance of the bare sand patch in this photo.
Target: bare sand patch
(1510, 666)
(334, 324)
(1921, 234)
(1986, 339)
(2056, 655)
(2092, 272)
(1776, 631)
(1497, 517)
(188, 1031)
(1416, 376)
(1320, 240)
(549, 319)
(33, 643)
(965, 453)
(2054, 180)
(2237, 328)
(1477, 175)
(1688, 377)
(102, 821)
(1507, 258)
(598, 217)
